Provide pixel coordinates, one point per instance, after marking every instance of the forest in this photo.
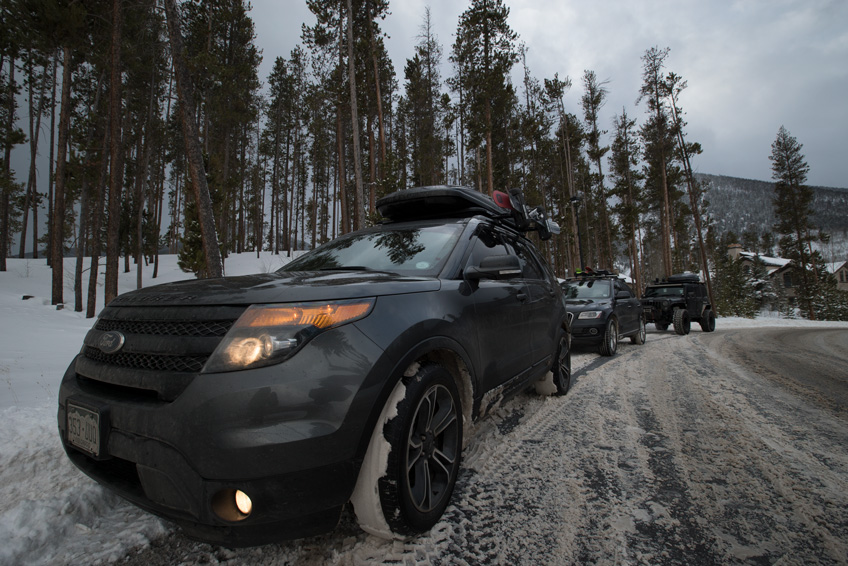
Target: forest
(163, 138)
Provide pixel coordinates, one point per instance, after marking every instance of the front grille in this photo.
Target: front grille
(164, 347)
(148, 361)
(203, 328)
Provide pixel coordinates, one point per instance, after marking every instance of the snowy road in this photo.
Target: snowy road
(688, 450)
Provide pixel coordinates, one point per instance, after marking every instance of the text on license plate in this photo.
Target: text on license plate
(84, 428)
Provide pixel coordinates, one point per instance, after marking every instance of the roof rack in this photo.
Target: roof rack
(684, 278)
(447, 200)
(588, 273)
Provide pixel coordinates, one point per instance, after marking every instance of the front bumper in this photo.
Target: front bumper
(587, 331)
(291, 436)
(657, 312)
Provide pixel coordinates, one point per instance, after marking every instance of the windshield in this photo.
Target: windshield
(407, 251)
(588, 289)
(664, 292)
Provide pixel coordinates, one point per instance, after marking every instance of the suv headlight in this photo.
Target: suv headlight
(269, 334)
(590, 314)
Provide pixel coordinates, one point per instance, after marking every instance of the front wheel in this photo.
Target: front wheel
(682, 323)
(407, 492)
(708, 321)
(609, 344)
(562, 367)
(639, 337)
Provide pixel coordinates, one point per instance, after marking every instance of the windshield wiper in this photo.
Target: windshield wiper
(357, 268)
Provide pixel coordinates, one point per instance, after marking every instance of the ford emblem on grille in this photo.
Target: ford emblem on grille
(110, 342)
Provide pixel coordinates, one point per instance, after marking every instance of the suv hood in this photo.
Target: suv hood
(283, 287)
(578, 305)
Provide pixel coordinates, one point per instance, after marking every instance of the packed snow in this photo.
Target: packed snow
(50, 513)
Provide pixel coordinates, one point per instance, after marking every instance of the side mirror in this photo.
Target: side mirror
(495, 267)
(622, 295)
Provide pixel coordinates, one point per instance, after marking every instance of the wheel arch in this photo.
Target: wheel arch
(441, 350)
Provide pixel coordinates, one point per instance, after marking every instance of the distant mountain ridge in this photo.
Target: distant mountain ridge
(738, 205)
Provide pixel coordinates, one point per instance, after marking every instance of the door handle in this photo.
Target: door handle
(522, 297)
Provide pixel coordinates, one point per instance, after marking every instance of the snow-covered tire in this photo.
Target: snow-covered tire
(562, 367)
(662, 327)
(708, 321)
(609, 343)
(412, 462)
(682, 323)
(639, 337)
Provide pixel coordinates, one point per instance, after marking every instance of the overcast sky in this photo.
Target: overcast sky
(751, 65)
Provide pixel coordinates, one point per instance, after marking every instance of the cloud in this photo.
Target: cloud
(751, 65)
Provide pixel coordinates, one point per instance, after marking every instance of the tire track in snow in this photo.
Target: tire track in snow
(668, 453)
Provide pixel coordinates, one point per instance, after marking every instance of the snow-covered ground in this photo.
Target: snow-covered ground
(50, 513)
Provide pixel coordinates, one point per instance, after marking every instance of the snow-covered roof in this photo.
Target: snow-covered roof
(768, 261)
(834, 267)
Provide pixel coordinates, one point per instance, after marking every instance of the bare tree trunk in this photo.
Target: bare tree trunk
(214, 266)
(116, 164)
(358, 215)
(95, 228)
(490, 174)
(160, 197)
(50, 178)
(372, 168)
(139, 223)
(379, 98)
(696, 214)
(34, 130)
(61, 158)
(666, 221)
(7, 161)
(83, 236)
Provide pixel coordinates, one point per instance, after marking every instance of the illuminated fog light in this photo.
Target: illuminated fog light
(232, 505)
(243, 502)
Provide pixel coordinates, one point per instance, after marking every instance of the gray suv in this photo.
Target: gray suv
(253, 409)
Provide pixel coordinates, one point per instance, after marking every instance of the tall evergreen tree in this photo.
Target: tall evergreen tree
(793, 210)
(485, 45)
(423, 91)
(594, 96)
(627, 187)
(659, 142)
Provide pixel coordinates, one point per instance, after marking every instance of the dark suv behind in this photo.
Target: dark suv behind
(678, 301)
(604, 310)
(252, 409)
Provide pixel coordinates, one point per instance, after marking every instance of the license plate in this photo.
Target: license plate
(84, 429)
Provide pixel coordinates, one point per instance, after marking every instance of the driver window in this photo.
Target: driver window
(529, 265)
(488, 243)
(619, 286)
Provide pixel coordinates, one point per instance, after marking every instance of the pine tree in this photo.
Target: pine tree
(424, 110)
(485, 45)
(593, 100)
(627, 187)
(658, 142)
(793, 210)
